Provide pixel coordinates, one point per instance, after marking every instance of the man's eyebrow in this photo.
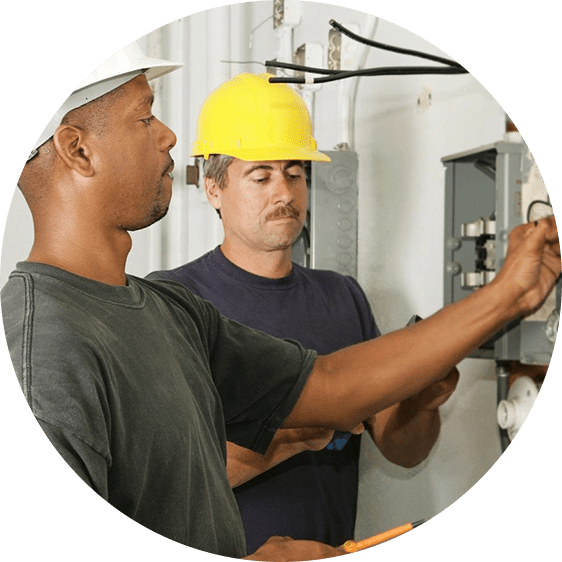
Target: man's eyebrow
(146, 101)
(268, 167)
(257, 167)
(292, 163)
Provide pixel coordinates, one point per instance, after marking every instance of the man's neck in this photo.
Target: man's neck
(272, 264)
(89, 255)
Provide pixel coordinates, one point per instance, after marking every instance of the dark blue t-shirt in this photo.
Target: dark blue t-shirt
(314, 494)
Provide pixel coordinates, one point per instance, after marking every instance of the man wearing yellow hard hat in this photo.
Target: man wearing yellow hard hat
(138, 383)
(254, 137)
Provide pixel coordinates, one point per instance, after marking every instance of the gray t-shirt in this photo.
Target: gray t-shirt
(139, 386)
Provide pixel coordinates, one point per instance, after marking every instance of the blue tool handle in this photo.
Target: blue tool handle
(338, 441)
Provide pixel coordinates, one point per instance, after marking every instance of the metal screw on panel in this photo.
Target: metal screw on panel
(453, 268)
(344, 259)
(453, 243)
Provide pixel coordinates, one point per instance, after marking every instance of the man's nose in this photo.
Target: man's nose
(168, 138)
(283, 191)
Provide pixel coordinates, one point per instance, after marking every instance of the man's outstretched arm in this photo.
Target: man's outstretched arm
(351, 385)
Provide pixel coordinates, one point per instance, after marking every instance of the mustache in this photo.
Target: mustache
(281, 212)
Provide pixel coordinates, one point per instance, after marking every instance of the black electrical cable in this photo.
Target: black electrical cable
(502, 393)
(533, 203)
(329, 71)
(385, 71)
(300, 67)
(391, 48)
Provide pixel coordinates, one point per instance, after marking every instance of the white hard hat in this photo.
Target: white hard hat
(116, 71)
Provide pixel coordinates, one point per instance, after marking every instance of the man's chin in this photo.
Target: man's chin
(154, 216)
(281, 242)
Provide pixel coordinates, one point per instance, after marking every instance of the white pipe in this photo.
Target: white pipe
(197, 32)
(239, 44)
(307, 95)
(155, 234)
(292, 18)
(176, 232)
(348, 89)
(219, 28)
(285, 50)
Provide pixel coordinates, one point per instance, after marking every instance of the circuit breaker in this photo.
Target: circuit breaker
(329, 238)
(489, 191)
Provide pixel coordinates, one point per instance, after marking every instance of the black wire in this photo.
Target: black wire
(532, 204)
(300, 67)
(400, 50)
(502, 393)
(385, 71)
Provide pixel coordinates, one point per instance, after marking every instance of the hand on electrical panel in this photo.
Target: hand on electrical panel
(406, 432)
(532, 264)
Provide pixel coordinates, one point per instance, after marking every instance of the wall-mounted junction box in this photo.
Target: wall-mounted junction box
(489, 191)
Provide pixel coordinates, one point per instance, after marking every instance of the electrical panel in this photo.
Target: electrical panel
(329, 238)
(489, 191)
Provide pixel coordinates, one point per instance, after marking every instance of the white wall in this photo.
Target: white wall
(401, 218)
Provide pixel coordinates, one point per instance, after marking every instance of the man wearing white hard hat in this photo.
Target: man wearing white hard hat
(139, 383)
(115, 72)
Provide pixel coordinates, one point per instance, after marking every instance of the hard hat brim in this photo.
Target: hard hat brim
(263, 154)
(152, 68)
(113, 73)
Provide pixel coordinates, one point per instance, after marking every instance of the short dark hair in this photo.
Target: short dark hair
(94, 115)
(215, 168)
(37, 172)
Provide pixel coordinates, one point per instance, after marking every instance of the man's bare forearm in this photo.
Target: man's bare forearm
(357, 382)
(405, 436)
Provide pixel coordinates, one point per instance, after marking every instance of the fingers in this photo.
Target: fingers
(453, 374)
(543, 228)
(358, 429)
(449, 383)
(548, 227)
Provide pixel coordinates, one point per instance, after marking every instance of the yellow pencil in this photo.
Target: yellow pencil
(352, 546)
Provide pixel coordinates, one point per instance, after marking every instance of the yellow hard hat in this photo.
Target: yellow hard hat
(251, 119)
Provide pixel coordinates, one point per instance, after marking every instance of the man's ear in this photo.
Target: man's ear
(213, 192)
(71, 146)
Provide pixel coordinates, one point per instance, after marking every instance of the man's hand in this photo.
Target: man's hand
(435, 395)
(243, 464)
(319, 438)
(285, 549)
(532, 263)
(430, 398)
(406, 432)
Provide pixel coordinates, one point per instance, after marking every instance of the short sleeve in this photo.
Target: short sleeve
(259, 379)
(83, 459)
(364, 311)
